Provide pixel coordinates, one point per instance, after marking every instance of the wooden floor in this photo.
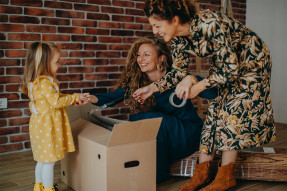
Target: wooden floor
(17, 172)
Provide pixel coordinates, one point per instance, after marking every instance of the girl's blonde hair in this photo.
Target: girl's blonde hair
(133, 78)
(38, 60)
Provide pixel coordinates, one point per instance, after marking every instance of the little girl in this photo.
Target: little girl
(50, 132)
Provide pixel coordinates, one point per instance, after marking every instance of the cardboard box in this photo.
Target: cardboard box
(122, 159)
(263, 163)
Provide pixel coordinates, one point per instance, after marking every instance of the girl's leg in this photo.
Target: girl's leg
(38, 172)
(48, 174)
(228, 157)
(205, 158)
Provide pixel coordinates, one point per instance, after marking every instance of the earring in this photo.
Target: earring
(160, 66)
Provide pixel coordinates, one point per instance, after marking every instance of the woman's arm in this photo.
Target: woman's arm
(109, 99)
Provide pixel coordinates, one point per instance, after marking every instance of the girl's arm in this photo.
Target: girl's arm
(51, 92)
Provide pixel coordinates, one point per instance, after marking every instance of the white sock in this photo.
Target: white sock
(38, 172)
(48, 174)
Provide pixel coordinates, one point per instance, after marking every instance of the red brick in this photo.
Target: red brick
(41, 28)
(30, 3)
(147, 27)
(14, 71)
(106, 83)
(110, 39)
(81, 54)
(78, 1)
(84, 38)
(113, 10)
(122, 33)
(58, 5)
(53, 37)
(107, 69)
(11, 28)
(84, 23)
(132, 26)
(18, 138)
(24, 36)
(62, 70)
(114, 76)
(70, 14)
(11, 88)
(11, 45)
(11, 96)
(98, 16)
(63, 86)
(3, 123)
(141, 20)
(70, 46)
(238, 5)
(81, 69)
(143, 33)
(97, 31)
(4, 1)
(118, 61)
(212, 7)
(11, 147)
(1, 53)
(95, 47)
(3, 18)
(96, 76)
(10, 10)
(24, 96)
(1, 71)
(75, 30)
(140, 5)
(27, 144)
(24, 19)
(95, 62)
(18, 104)
(122, 3)
(18, 121)
(39, 12)
(86, 7)
(9, 130)
(99, 2)
(98, 90)
(70, 62)
(25, 129)
(64, 54)
(3, 140)
(82, 85)
(16, 53)
(73, 77)
(119, 47)
(123, 18)
(124, 54)
(2, 36)
(135, 12)
(10, 79)
(55, 21)
(107, 54)
(109, 25)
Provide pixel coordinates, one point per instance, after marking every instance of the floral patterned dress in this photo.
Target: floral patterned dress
(242, 115)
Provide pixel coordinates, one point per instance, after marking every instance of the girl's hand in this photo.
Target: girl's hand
(93, 99)
(183, 88)
(84, 98)
(142, 94)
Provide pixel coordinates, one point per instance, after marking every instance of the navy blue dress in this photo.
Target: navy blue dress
(180, 130)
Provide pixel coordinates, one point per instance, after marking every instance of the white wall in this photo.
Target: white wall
(268, 18)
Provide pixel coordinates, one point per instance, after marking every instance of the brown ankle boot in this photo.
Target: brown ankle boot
(225, 179)
(200, 177)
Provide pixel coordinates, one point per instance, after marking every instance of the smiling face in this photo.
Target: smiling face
(54, 65)
(163, 28)
(147, 58)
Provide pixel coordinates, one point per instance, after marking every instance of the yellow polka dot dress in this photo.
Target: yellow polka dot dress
(50, 131)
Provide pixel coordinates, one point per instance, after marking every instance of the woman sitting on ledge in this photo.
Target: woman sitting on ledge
(148, 60)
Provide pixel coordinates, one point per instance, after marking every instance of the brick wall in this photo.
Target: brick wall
(94, 36)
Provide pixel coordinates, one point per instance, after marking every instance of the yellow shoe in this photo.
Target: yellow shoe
(51, 189)
(38, 186)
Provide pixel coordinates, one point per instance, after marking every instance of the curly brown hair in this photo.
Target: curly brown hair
(167, 9)
(133, 78)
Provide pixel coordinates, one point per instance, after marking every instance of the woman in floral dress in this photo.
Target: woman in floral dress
(241, 116)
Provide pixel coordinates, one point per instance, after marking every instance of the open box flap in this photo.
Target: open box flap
(137, 131)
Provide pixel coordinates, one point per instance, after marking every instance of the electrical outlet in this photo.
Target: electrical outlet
(3, 103)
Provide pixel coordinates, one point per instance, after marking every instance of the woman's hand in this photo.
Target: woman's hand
(183, 88)
(84, 99)
(142, 94)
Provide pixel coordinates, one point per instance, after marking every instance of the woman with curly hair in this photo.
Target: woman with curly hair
(148, 60)
(241, 116)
